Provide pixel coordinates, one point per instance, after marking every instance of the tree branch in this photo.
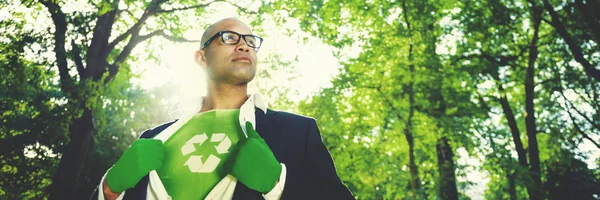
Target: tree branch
(597, 126)
(135, 27)
(499, 60)
(112, 72)
(586, 136)
(135, 39)
(482, 102)
(170, 37)
(580, 113)
(543, 82)
(127, 11)
(583, 98)
(207, 4)
(133, 32)
(241, 8)
(591, 20)
(60, 24)
(548, 21)
(154, 9)
(97, 52)
(575, 125)
(133, 42)
(575, 49)
(76, 52)
(387, 101)
(114, 67)
(512, 124)
(189, 7)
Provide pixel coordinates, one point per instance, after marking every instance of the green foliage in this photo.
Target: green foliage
(33, 117)
(371, 97)
(123, 112)
(365, 114)
(570, 178)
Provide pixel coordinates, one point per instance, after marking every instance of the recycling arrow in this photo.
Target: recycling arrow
(188, 147)
(195, 164)
(223, 147)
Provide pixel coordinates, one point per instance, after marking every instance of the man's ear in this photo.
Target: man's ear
(199, 58)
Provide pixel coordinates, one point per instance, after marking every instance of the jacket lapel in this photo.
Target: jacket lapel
(268, 128)
(270, 131)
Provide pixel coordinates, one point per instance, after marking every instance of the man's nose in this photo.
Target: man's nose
(242, 46)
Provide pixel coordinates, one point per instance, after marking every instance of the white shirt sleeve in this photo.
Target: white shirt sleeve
(277, 191)
(101, 190)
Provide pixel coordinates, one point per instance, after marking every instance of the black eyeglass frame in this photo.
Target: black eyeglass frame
(220, 34)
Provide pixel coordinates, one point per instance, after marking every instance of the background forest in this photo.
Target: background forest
(415, 99)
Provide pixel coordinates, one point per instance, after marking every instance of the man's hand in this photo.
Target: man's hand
(254, 164)
(143, 156)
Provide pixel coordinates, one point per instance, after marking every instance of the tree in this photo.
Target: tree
(568, 177)
(32, 113)
(386, 96)
(88, 59)
(588, 21)
(426, 89)
(505, 64)
(500, 34)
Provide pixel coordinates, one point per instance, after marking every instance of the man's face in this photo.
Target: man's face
(225, 63)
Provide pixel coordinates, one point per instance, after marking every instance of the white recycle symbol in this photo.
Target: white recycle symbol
(195, 163)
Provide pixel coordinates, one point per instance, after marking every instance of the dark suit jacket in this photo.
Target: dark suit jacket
(296, 142)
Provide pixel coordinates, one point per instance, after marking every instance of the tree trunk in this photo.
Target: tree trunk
(96, 64)
(511, 177)
(514, 129)
(445, 154)
(516, 136)
(534, 154)
(446, 168)
(512, 186)
(415, 181)
(81, 129)
(67, 174)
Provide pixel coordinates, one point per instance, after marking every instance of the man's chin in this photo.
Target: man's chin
(243, 80)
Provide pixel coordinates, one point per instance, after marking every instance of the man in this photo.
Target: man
(228, 145)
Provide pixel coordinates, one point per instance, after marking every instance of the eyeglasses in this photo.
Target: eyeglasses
(233, 38)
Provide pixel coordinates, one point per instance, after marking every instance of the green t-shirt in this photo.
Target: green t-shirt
(195, 154)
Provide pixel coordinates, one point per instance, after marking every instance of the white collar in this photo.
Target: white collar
(191, 107)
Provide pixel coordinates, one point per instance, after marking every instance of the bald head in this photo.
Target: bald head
(221, 25)
(227, 63)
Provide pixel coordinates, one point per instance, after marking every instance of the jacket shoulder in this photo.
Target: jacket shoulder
(283, 116)
(150, 133)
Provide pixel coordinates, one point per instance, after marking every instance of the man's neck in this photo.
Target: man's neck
(221, 96)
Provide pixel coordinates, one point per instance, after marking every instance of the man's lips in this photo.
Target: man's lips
(242, 58)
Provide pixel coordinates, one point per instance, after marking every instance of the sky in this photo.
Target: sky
(314, 69)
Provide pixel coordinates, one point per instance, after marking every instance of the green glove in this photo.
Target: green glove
(254, 164)
(143, 156)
